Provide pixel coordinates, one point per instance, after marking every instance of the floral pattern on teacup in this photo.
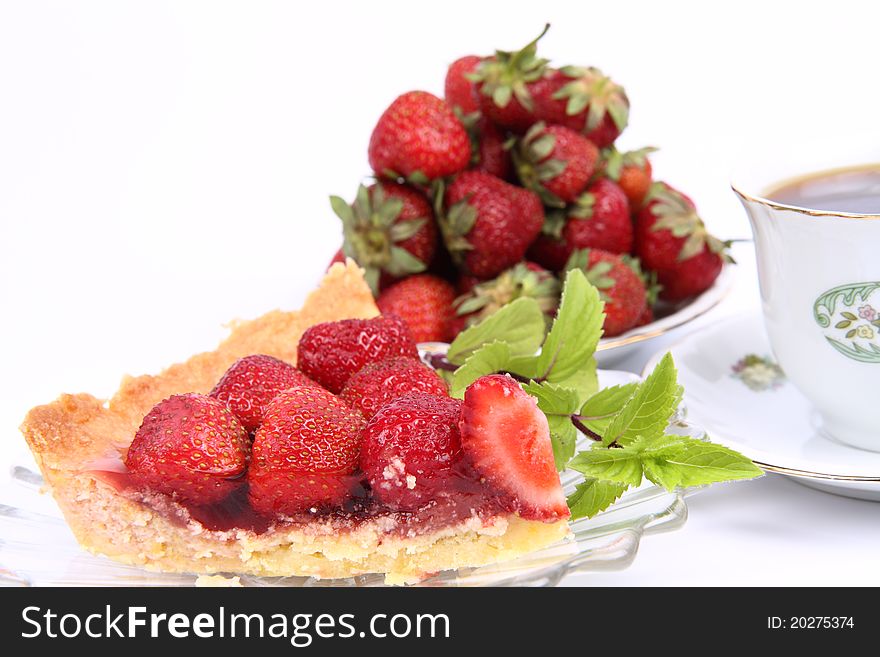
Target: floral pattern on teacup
(851, 321)
(868, 312)
(759, 373)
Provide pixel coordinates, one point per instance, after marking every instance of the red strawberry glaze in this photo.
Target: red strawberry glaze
(470, 498)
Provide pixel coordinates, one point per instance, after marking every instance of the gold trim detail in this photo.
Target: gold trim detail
(775, 205)
(807, 474)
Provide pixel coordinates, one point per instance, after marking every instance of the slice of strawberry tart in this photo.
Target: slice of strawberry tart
(310, 443)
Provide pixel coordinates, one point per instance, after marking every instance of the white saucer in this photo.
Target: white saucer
(753, 409)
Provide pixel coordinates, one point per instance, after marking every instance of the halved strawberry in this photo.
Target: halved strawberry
(507, 439)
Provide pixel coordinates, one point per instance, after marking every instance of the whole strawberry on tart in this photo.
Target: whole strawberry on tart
(519, 164)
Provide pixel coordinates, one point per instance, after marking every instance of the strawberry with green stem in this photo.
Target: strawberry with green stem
(507, 438)
(599, 218)
(525, 279)
(672, 240)
(621, 286)
(505, 82)
(486, 223)
(555, 162)
(631, 170)
(585, 100)
(389, 230)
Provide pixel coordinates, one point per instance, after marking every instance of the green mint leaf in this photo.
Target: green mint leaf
(600, 409)
(563, 437)
(566, 356)
(525, 366)
(593, 496)
(646, 414)
(584, 381)
(623, 466)
(488, 359)
(557, 404)
(519, 324)
(554, 399)
(679, 461)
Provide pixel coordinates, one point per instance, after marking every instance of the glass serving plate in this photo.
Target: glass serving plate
(38, 549)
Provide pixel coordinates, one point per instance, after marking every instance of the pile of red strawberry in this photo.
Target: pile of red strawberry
(487, 196)
(359, 417)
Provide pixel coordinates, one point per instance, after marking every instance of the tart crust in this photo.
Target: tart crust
(77, 430)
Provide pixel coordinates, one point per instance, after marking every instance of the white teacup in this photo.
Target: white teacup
(819, 272)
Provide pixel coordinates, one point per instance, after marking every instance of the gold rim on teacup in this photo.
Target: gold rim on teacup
(762, 198)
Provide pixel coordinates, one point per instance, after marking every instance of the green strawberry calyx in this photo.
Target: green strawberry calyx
(534, 164)
(456, 221)
(679, 216)
(507, 75)
(648, 278)
(592, 91)
(583, 206)
(614, 161)
(554, 222)
(372, 232)
(518, 281)
(597, 274)
(471, 123)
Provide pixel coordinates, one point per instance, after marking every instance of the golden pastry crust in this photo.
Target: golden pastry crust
(76, 430)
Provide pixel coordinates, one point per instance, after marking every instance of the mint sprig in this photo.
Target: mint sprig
(646, 414)
(628, 424)
(563, 356)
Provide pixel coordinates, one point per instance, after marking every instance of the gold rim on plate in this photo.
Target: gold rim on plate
(720, 289)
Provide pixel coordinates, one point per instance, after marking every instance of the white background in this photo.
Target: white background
(165, 167)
